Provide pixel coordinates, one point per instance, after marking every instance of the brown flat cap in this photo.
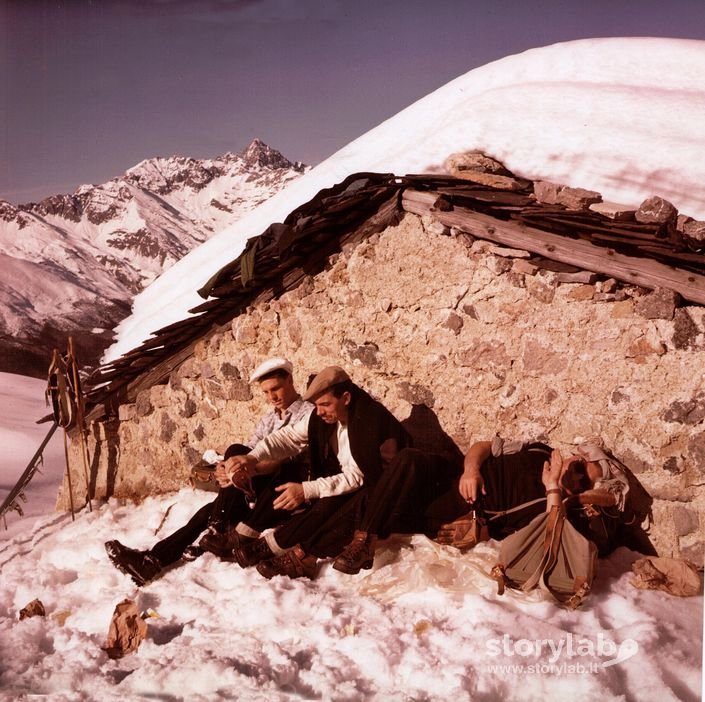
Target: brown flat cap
(325, 379)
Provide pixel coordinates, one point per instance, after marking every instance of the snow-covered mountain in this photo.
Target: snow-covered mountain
(71, 264)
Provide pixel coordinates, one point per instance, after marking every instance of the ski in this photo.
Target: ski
(10, 502)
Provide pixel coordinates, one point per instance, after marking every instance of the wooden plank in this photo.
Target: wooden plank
(692, 259)
(423, 198)
(499, 198)
(210, 304)
(586, 221)
(577, 252)
(293, 277)
(584, 217)
(603, 227)
(165, 334)
(148, 378)
(631, 238)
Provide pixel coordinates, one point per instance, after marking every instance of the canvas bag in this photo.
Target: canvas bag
(473, 527)
(202, 477)
(672, 575)
(551, 554)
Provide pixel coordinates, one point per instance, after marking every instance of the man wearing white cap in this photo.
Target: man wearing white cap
(275, 379)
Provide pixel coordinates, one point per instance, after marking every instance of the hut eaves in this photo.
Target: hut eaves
(285, 254)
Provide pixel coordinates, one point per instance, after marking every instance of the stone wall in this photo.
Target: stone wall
(489, 342)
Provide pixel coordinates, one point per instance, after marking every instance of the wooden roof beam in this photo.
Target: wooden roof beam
(577, 252)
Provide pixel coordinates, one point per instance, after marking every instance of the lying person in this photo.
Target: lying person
(421, 493)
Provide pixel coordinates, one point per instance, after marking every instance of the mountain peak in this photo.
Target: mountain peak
(258, 153)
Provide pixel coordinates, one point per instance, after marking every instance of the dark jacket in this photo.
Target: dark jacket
(511, 480)
(375, 437)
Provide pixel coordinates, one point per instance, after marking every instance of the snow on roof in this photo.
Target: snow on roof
(551, 222)
(620, 116)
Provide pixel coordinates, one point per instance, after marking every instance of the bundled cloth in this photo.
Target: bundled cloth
(672, 575)
(614, 479)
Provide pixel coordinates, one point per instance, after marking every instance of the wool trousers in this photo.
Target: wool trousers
(325, 526)
(228, 508)
(416, 493)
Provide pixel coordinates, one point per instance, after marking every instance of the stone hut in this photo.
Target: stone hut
(503, 305)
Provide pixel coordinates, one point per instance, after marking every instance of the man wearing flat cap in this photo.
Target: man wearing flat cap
(350, 438)
(275, 379)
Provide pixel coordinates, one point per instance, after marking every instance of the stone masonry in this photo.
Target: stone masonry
(491, 343)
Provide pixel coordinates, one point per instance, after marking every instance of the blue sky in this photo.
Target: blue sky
(88, 88)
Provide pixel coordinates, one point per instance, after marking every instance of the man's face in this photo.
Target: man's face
(332, 409)
(279, 391)
(577, 475)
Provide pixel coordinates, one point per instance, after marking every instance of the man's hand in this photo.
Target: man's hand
(552, 471)
(221, 475)
(290, 497)
(471, 486)
(471, 483)
(225, 470)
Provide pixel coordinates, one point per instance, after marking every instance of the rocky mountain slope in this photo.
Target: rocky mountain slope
(71, 264)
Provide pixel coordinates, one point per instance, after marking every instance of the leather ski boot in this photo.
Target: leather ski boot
(252, 552)
(295, 563)
(141, 566)
(357, 555)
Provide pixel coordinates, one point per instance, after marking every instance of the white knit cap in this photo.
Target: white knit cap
(271, 365)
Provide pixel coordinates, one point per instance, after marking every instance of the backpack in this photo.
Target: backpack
(551, 554)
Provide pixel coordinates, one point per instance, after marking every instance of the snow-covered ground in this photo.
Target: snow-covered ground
(620, 116)
(424, 624)
(21, 405)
